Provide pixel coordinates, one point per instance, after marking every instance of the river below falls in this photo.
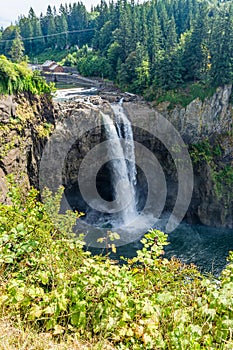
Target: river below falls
(206, 247)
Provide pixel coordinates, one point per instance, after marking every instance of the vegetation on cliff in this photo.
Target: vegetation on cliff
(16, 78)
(48, 283)
(211, 152)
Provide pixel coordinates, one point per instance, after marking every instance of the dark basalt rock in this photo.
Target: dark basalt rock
(22, 118)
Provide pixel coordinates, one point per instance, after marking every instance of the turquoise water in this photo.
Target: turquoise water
(60, 85)
(206, 247)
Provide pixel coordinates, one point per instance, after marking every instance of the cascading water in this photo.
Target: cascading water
(122, 213)
(123, 172)
(125, 131)
(116, 205)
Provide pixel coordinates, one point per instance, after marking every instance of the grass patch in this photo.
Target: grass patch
(184, 95)
(17, 337)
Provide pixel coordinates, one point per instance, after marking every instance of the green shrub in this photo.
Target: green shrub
(89, 63)
(16, 77)
(50, 283)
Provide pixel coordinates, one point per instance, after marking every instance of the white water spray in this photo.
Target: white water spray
(125, 131)
(123, 169)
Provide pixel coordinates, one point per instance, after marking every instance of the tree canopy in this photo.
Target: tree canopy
(158, 44)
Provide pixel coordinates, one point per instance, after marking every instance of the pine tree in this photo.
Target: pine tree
(51, 28)
(195, 52)
(17, 49)
(26, 31)
(8, 36)
(222, 48)
(170, 41)
(77, 20)
(61, 27)
(155, 34)
(143, 26)
(113, 54)
(37, 44)
(123, 34)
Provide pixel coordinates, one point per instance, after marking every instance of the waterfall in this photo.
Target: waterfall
(123, 173)
(125, 131)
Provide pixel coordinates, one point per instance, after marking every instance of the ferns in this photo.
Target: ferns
(16, 77)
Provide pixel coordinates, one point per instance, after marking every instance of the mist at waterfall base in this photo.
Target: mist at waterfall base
(204, 246)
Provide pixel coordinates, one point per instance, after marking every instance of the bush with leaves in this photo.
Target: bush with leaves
(89, 63)
(16, 78)
(149, 302)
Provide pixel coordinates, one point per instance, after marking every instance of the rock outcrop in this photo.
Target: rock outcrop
(201, 119)
(25, 124)
(78, 130)
(206, 127)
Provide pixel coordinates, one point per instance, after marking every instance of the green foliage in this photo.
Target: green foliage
(181, 96)
(53, 54)
(94, 65)
(222, 175)
(88, 63)
(48, 281)
(202, 151)
(17, 49)
(223, 179)
(110, 237)
(184, 41)
(16, 77)
(70, 60)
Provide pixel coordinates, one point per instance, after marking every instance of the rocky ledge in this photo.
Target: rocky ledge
(26, 121)
(207, 129)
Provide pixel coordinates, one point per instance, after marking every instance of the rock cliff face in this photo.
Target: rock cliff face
(202, 119)
(78, 130)
(206, 127)
(25, 123)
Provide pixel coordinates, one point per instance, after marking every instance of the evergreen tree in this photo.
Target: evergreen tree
(51, 29)
(222, 48)
(170, 34)
(26, 31)
(8, 36)
(154, 36)
(143, 26)
(195, 52)
(113, 54)
(37, 43)
(61, 27)
(105, 37)
(77, 20)
(63, 10)
(123, 34)
(17, 48)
